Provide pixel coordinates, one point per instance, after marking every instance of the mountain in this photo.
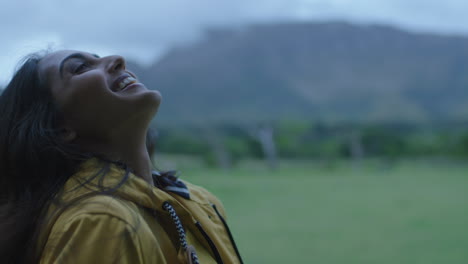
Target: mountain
(328, 71)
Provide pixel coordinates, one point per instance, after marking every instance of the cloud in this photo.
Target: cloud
(145, 29)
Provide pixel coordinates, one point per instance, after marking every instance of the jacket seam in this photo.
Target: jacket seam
(102, 214)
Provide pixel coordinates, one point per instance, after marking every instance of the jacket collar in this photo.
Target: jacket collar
(102, 177)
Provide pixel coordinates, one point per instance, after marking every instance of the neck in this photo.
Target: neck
(139, 161)
(130, 150)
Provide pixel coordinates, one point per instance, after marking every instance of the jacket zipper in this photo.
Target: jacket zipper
(210, 242)
(229, 233)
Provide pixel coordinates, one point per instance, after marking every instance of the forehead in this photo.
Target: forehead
(49, 65)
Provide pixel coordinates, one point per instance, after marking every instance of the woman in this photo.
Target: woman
(77, 181)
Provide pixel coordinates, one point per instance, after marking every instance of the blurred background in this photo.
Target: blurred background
(334, 131)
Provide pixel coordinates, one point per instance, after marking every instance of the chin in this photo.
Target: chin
(156, 97)
(151, 100)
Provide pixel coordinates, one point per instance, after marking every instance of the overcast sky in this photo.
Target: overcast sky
(143, 30)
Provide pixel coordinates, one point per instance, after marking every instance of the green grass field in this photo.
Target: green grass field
(410, 212)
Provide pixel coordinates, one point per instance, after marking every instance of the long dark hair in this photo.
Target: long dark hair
(34, 162)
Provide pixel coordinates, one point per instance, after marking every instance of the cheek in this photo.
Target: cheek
(86, 101)
(85, 93)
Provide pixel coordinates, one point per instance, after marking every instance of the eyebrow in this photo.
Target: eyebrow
(72, 56)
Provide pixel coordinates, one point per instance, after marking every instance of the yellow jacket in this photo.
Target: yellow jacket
(128, 223)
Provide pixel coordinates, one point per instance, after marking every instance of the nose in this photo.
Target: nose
(116, 63)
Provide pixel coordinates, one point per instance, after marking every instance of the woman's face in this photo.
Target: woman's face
(97, 96)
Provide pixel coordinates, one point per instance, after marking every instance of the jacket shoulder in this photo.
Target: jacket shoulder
(108, 205)
(91, 237)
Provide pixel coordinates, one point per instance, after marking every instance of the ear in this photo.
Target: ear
(67, 134)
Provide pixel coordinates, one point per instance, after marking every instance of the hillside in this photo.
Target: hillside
(328, 71)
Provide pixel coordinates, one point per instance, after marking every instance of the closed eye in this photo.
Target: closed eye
(80, 68)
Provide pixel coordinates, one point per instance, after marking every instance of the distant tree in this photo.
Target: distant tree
(380, 141)
(356, 149)
(181, 141)
(266, 139)
(219, 154)
(462, 146)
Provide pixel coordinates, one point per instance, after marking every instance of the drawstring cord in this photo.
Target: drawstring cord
(180, 230)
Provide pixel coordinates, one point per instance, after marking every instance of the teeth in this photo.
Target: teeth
(125, 82)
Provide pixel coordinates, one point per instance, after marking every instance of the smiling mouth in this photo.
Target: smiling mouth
(125, 83)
